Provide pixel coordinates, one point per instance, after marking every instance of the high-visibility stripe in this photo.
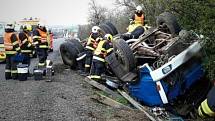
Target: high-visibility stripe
(7, 70)
(90, 48)
(103, 49)
(206, 109)
(95, 77)
(8, 47)
(41, 64)
(36, 43)
(36, 37)
(1, 45)
(18, 48)
(10, 52)
(16, 42)
(26, 51)
(43, 46)
(29, 45)
(14, 71)
(24, 41)
(98, 58)
(109, 50)
(80, 58)
(86, 65)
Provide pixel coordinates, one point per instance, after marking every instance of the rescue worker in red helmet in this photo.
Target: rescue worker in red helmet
(11, 45)
(25, 44)
(90, 47)
(103, 49)
(41, 44)
(207, 107)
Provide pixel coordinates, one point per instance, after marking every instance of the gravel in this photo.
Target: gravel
(67, 98)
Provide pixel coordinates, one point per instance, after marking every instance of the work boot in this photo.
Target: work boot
(82, 73)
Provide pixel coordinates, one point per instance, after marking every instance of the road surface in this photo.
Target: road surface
(67, 98)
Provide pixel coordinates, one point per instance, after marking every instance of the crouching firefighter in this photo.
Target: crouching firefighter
(11, 44)
(40, 41)
(90, 47)
(104, 48)
(207, 107)
(26, 46)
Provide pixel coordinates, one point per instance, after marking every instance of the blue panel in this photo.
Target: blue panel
(145, 90)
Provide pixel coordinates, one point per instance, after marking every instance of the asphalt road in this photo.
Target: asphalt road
(67, 98)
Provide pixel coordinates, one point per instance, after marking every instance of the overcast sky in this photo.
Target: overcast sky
(53, 12)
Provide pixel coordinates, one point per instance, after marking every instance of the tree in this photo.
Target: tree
(97, 14)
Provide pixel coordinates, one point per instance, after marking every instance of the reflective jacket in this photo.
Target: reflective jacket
(91, 42)
(11, 43)
(40, 38)
(26, 46)
(139, 19)
(207, 107)
(104, 49)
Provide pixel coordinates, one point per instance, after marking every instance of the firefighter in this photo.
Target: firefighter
(90, 47)
(41, 44)
(26, 46)
(207, 107)
(138, 17)
(11, 44)
(104, 48)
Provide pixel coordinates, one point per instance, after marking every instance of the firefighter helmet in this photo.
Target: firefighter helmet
(95, 29)
(27, 27)
(108, 37)
(139, 9)
(10, 26)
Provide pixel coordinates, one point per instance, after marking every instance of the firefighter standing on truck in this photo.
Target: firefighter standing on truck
(90, 47)
(138, 17)
(11, 44)
(207, 107)
(40, 41)
(26, 46)
(104, 48)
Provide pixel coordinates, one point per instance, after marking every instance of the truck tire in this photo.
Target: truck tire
(170, 21)
(69, 54)
(106, 29)
(124, 55)
(115, 32)
(78, 45)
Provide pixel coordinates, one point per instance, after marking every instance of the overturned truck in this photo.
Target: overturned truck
(160, 68)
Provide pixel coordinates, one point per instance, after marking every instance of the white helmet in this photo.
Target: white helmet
(95, 29)
(41, 24)
(139, 8)
(10, 26)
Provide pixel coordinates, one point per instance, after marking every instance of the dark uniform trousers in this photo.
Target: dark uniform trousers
(97, 69)
(11, 67)
(42, 55)
(26, 59)
(88, 60)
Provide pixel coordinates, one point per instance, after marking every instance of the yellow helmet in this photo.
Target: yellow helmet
(27, 27)
(108, 37)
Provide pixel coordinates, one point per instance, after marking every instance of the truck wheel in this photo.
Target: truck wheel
(106, 29)
(78, 45)
(124, 55)
(69, 53)
(115, 32)
(170, 23)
